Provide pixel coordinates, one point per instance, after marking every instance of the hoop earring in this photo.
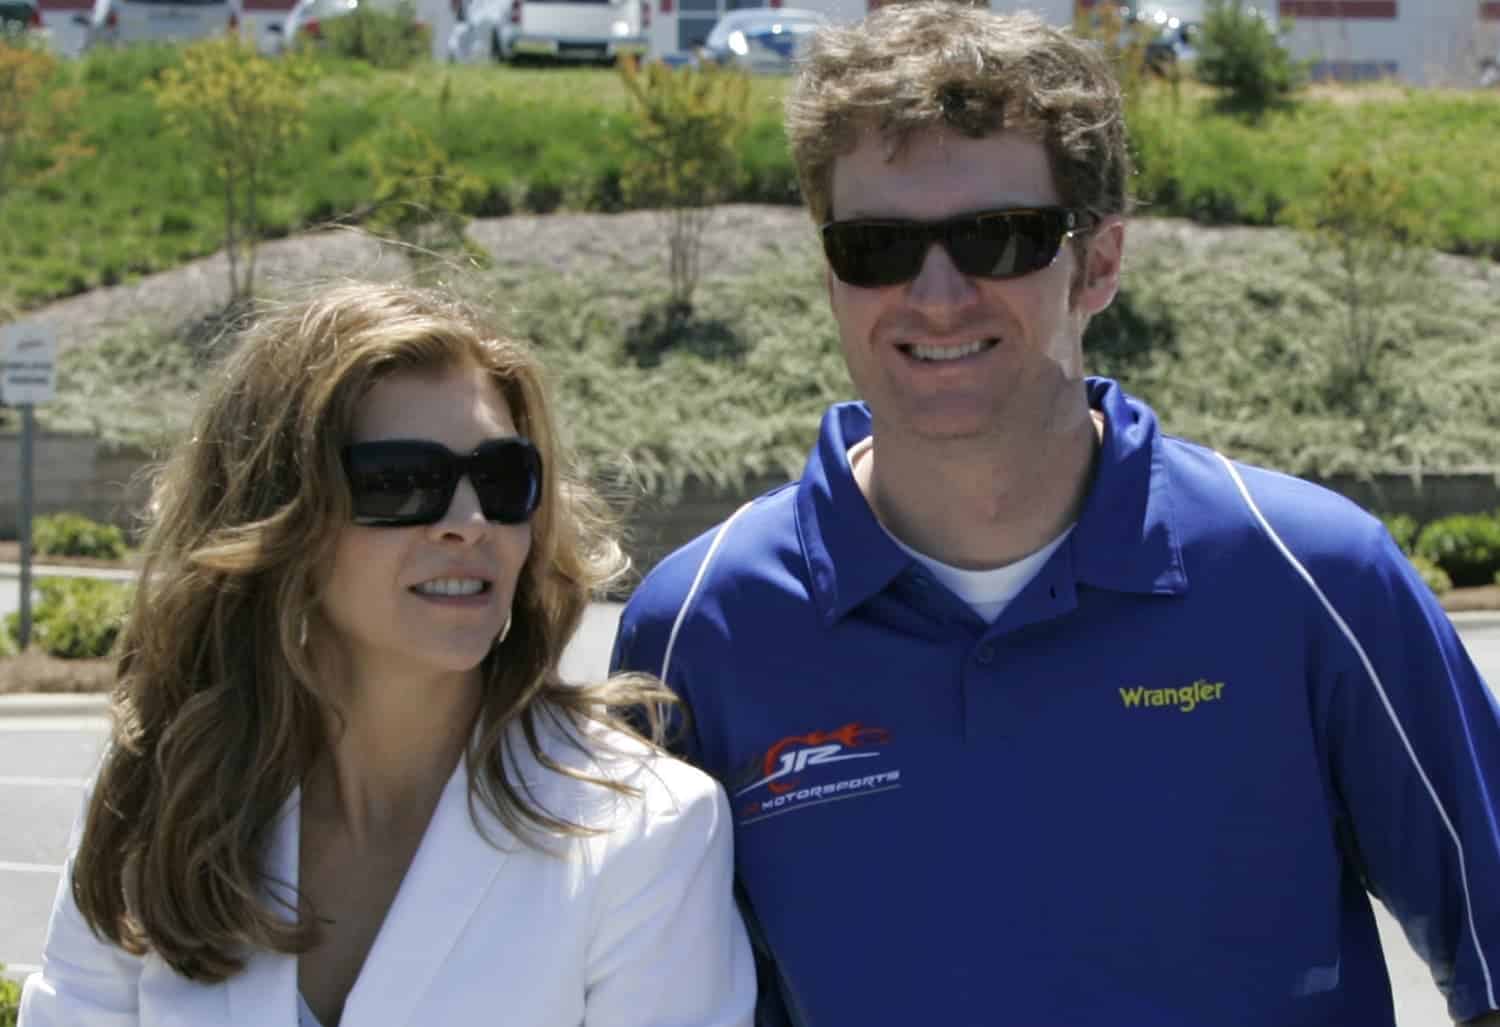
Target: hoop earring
(500, 639)
(302, 632)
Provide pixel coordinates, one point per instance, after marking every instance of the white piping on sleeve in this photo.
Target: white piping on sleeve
(1390, 710)
(687, 600)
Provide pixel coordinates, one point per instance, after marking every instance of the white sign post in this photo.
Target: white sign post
(28, 376)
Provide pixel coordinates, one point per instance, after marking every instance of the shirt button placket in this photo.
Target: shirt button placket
(984, 655)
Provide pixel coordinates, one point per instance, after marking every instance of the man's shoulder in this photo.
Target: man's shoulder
(1219, 500)
(753, 541)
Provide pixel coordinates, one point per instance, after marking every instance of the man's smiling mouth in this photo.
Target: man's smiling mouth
(941, 354)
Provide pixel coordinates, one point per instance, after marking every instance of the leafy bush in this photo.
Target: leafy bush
(684, 142)
(36, 139)
(1467, 546)
(8, 648)
(10, 1001)
(1239, 53)
(246, 110)
(68, 534)
(75, 618)
(1368, 245)
(124, 69)
(1402, 529)
(383, 39)
(1434, 576)
(420, 193)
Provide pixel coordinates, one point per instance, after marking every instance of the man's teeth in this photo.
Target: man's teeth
(949, 352)
(451, 587)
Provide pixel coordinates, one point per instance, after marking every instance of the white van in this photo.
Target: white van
(136, 21)
(563, 30)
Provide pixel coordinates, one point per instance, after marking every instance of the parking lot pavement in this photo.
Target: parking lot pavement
(44, 763)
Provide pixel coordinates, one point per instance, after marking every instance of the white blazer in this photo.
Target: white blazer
(634, 928)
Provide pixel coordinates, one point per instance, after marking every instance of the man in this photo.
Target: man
(1028, 712)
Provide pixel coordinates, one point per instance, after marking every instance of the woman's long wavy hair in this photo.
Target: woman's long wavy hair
(217, 713)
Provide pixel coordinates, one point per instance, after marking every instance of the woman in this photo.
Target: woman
(346, 783)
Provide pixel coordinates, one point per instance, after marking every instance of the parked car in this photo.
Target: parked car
(561, 30)
(20, 16)
(114, 22)
(304, 23)
(1175, 43)
(761, 39)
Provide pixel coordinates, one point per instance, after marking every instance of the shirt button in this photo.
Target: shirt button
(985, 654)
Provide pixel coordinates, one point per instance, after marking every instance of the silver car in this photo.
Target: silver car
(136, 21)
(562, 30)
(761, 39)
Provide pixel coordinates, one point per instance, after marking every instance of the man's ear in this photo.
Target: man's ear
(1099, 279)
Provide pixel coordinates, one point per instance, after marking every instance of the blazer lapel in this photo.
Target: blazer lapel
(453, 869)
(264, 994)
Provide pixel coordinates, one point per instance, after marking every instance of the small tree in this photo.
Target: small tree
(1240, 53)
(34, 111)
(421, 195)
(244, 110)
(1125, 42)
(683, 156)
(383, 39)
(1367, 244)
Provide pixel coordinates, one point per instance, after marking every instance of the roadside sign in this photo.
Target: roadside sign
(28, 374)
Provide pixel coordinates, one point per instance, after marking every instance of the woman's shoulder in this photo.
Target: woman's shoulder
(612, 779)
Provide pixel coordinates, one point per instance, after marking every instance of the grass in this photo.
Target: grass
(547, 139)
(1218, 168)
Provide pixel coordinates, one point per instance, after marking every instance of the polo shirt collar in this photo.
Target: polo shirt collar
(849, 555)
(1125, 539)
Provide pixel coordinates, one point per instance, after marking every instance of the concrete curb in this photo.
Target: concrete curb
(1482, 620)
(88, 704)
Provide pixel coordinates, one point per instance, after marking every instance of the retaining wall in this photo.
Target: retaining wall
(81, 475)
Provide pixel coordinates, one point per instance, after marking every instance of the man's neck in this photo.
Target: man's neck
(981, 506)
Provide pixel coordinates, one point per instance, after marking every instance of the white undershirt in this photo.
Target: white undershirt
(988, 592)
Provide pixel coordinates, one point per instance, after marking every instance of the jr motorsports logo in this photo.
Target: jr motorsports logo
(819, 767)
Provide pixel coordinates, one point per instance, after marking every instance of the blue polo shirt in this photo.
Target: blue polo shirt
(1158, 790)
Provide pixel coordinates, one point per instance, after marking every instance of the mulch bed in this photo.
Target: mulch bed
(35, 671)
(10, 552)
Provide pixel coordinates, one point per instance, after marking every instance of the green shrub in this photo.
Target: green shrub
(8, 644)
(382, 39)
(75, 618)
(68, 534)
(421, 193)
(683, 156)
(1467, 546)
(10, 1001)
(1402, 528)
(1435, 577)
(1239, 53)
(124, 69)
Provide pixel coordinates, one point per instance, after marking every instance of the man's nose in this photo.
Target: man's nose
(939, 282)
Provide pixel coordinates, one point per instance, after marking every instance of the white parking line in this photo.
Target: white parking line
(30, 868)
(20, 969)
(43, 782)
